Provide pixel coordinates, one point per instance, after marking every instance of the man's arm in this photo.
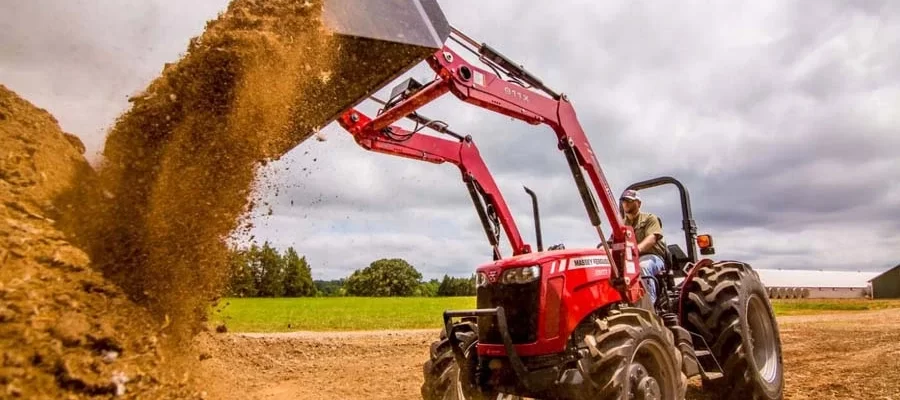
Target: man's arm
(654, 233)
(647, 243)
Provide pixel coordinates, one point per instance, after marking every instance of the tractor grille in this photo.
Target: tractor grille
(521, 303)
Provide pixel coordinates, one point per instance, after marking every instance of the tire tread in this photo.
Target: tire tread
(712, 309)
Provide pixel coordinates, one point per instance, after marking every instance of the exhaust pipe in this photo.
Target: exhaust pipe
(537, 219)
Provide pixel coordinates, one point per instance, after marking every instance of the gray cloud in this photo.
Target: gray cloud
(779, 117)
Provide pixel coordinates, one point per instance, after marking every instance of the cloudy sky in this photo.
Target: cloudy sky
(781, 117)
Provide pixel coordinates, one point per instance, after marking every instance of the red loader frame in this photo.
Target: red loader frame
(489, 203)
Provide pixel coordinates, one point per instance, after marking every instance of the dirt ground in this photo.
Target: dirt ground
(830, 356)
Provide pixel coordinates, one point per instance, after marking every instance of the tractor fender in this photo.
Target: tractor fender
(686, 283)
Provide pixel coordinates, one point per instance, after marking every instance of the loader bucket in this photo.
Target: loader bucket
(418, 23)
(379, 41)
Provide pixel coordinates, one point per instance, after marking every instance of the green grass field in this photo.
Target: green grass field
(816, 306)
(335, 313)
(354, 313)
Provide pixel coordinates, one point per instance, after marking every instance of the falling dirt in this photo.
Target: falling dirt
(179, 167)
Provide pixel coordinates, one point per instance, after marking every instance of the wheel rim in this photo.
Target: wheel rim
(647, 374)
(460, 390)
(762, 339)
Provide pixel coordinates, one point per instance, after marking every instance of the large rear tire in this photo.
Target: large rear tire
(442, 374)
(728, 306)
(634, 356)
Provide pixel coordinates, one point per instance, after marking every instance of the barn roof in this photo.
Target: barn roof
(884, 273)
(815, 278)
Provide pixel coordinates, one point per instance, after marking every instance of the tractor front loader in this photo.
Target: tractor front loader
(557, 323)
(461, 151)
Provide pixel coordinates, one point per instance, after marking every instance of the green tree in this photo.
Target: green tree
(428, 289)
(452, 286)
(271, 272)
(252, 256)
(241, 283)
(298, 280)
(332, 288)
(384, 277)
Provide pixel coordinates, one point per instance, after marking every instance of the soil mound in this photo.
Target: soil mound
(65, 332)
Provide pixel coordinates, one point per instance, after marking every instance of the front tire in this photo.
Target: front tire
(633, 356)
(728, 305)
(443, 380)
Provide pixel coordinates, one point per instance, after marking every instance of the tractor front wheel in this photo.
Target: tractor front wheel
(443, 377)
(634, 356)
(728, 305)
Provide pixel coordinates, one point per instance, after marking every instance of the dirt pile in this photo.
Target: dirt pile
(65, 332)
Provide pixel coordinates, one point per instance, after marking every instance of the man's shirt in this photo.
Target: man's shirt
(646, 224)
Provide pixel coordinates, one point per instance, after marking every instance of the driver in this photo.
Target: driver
(648, 231)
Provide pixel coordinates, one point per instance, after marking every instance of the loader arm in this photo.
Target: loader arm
(489, 203)
(524, 97)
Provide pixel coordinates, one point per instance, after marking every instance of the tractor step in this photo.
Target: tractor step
(709, 366)
(712, 375)
(707, 374)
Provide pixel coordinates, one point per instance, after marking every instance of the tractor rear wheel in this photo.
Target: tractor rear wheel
(634, 356)
(443, 380)
(727, 304)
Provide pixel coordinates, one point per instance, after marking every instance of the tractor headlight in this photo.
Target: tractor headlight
(521, 275)
(481, 279)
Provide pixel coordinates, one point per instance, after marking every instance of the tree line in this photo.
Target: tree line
(263, 271)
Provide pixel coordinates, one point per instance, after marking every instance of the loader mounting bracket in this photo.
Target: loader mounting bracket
(514, 359)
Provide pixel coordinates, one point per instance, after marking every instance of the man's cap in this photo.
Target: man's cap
(630, 195)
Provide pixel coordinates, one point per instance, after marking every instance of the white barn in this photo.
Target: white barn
(793, 283)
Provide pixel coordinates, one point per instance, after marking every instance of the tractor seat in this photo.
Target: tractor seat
(676, 259)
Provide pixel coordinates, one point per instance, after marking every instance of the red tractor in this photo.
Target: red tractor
(575, 323)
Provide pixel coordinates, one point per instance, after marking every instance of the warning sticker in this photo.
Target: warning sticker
(479, 78)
